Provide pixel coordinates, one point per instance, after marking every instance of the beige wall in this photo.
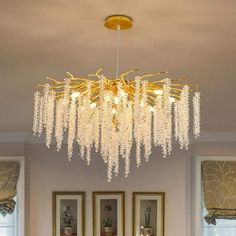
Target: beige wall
(48, 170)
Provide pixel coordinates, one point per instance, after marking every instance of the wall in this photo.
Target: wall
(48, 170)
(12, 149)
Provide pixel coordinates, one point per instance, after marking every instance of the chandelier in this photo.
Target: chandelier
(115, 115)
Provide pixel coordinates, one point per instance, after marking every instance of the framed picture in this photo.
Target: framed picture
(68, 213)
(148, 214)
(108, 214)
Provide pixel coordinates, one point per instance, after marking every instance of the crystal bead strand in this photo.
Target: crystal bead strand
(158, 125)
(183, 111)
(196, 114)
(45, 104)
(72, 127)
(137, 121)
(167, 132)
(50, 117)
(66, 103)
(185, 92)
(36, 112)
(89, 125)
(40, 128)
(176, 120)
(59, 123)
(146, 119)
(129, 138)
(81, 126)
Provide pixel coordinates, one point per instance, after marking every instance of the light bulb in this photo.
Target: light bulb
(151, 109)
(158, 92)
(107, 97)
(172, 99)
(113, 111)
(116, 100)
(141, 103)
(93, 105)
(122, 93)
(74, 95)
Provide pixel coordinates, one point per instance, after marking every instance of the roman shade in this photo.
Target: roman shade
(219, 189)
(9, 173)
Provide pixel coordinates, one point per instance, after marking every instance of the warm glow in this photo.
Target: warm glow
(158, 92)
(93, 105)
(116, 115)
(172, 99)
(113, 115)
(116, 100)
(75, 95)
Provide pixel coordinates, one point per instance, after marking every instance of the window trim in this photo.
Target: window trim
(197, 190)
(20, 191)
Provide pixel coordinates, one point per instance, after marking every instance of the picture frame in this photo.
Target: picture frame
(109, 213)
(148, 213)
(68, 213)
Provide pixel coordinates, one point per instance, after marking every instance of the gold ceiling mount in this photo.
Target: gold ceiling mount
(116, 22)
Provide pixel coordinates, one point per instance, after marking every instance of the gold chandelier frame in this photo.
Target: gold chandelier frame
(79, 84)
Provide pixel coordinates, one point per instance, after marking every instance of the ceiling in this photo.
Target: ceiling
(194, 39)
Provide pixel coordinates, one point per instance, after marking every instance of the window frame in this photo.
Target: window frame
(20, 193)
(197, 190)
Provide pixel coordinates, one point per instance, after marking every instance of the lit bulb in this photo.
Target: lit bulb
(74, 95)
(158, 92)
(93, 105)
(113, 111)
(141, 103)
(116, 100)
(172, 99)
(151, 109)
(107, 97)
(122, 93)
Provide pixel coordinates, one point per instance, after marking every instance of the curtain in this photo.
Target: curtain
(219, 190)
(9, 174)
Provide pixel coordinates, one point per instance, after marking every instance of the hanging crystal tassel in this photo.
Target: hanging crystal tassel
(66, 103)
(72, 128)
(45, 103)
(137, 121)
(59, 123)
(167, 120)
(36, 112)
(40, 125)
(183, 108)
(50, 117)
(196, 114)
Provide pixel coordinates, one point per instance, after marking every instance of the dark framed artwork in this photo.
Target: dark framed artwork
(108, 214)
(148, 213)
(68, 213)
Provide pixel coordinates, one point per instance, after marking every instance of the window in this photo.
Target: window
(199, 226)
(222, 227)
(8, 224)
(13, 225)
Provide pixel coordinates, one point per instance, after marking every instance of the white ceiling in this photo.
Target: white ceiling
(195, 39)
